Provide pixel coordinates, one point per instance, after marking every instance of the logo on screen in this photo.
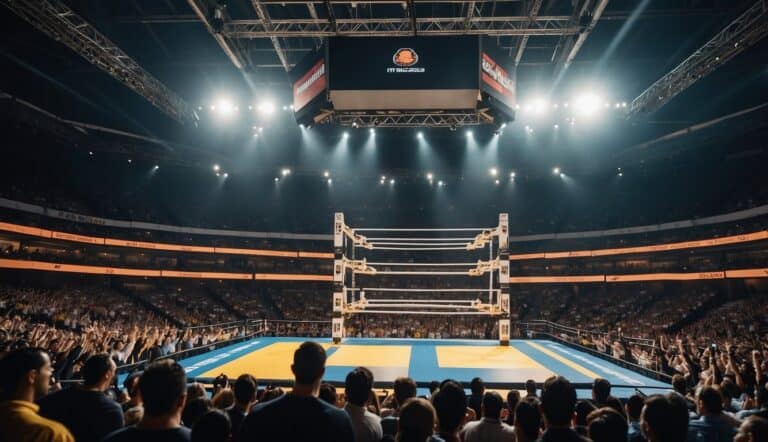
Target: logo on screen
(405, 57)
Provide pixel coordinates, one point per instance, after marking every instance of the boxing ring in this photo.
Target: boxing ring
(349, 299)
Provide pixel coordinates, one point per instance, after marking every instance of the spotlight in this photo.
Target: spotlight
(497, 182)
(345, 134)
(277, 179)
(130, 161)
(266, 107)
(256, 135)
(392, 181)
(420, 135)
(493, 171)
(286, 171)
(224, 106)
(218, 174)
(226, 174)
(326, 174)
(621, 173)
(381, 181)
(372, 131)
(512, 174)
(539, 106)
(587, 104)
(301, 125)
(556, 171)
(156, 167)
(440, 183)
(261, 129)
(383, 177)
(623, 104)
(290, 106)
(429, 176)
(90, 153)
(557, 126)
(562, 175)
(503, 125)
(216, 168)
(469, 133)
(330, 181)
(285, 107)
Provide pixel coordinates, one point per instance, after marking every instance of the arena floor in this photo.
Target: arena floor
(423, 360)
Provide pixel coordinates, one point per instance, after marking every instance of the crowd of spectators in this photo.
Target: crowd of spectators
(159, 404)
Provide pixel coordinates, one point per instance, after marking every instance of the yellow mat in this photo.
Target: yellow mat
(371, 356)
(271, 362)
(455, 356)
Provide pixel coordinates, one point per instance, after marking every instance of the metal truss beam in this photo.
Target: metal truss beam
(59, 22)
(532, 14)
(743, 32)
(575, 43)
(200, 8)
(387, 27)
(451, 120)
(261, 11)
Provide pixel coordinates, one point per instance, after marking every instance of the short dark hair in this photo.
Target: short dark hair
(433, 386)
(711, 399)
(528, 417)
(492, 404)
(161, 386)
(405, 388)
(358, 386)
(131, 382)
(635, 406)
(602, 389)
(476, 386)
(606, 425)
(530, 386)
(583, 408)
(513, 398)
(328, 393)
(417, 420)
(308, 362)
(667, 417)
(756, 426)
(245, 388)
(95, 368)
(450, 403)
(678, 384)
(558, 400)
(15, 365)
(213, 426)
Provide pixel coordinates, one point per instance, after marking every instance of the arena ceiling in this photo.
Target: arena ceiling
(172, 56)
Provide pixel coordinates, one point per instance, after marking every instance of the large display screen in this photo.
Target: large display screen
(403, 63)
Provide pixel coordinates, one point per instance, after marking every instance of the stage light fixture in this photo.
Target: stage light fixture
(267, 107)
(392, 181)
(330, 181)
(216, 167)
(326, 174)
(226, 174)
(587, 104)
(286, 171)
(345, 134)
(562, 175)
(130, 161)
(372, 131)
(440, 183)
(493, 171)
(557, 126)
(556, 171)
(420, 135)
(512, 174)
(430, 176)
(497, 182)
(156, 167)
(469, 133)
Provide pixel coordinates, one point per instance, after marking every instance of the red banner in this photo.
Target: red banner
(309, 86)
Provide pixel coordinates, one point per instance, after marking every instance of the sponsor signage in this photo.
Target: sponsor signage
(497, 81)
(309, 85)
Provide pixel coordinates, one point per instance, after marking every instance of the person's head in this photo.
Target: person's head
(25, 374)
(417, 420)
(753, 429)
(513, 398)
(272, 393)
(583, 408)
(194, 409)
(601, 389)
(492, 405)
(606, 425)
(433, 387)
(358, 386)
(664, 418)
(761, 396)
(530, 387)
(558, 400)
(634, 407)
(195, 390)
(328, 394)
(245, 390)
(678, 384)
(709, 401)
(213, 426)
(308, 363)
(223, 399)
(450, 404)
(527, 420)
(98, 371)
(163, 389)
(131, 384)
(405, 388)
(477, 387)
